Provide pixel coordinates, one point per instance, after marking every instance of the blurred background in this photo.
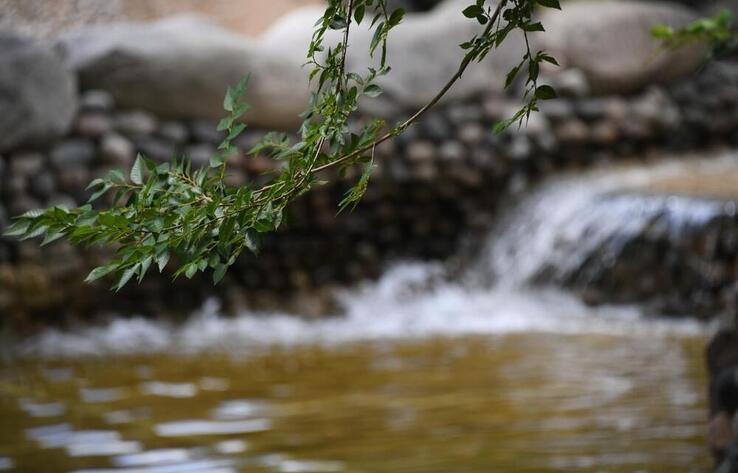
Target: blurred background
(559, 297)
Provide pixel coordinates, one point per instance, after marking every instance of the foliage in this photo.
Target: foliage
(718, 32)
(172, 211)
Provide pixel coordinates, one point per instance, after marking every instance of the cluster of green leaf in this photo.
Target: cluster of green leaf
(171, 211)
(718, 32)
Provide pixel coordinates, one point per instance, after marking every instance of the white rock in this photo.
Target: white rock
(180, 67)
(610, 42)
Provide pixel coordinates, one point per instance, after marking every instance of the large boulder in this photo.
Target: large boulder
(610, 41)
(38, 95)
(423, 52)
(180, 68)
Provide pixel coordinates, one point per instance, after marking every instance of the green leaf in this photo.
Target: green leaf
(17, 228)
(472, 11)
(51, 237)
(137, 171)
(219, 272)
(531, 27)
(396, 17)
(235, 94)
(372, 90)
(96, 195)
(216, 160)
(162, 259)
(126, 276)
(359, 13)
(545, 92)
(662, 32)
(550, 4)
(191, 270)
(32, 213)
(99, 272)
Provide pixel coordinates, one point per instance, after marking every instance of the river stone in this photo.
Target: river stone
(38, 95)
(180, 67)
(423, 52)
(116, 149)
(72, 151)
(610, 42)
(26, 164)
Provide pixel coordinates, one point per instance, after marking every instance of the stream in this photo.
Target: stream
(422, 373)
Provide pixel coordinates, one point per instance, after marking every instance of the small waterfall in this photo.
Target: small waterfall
(545, 236)
(569, 221)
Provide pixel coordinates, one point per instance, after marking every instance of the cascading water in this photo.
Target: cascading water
(550, 232)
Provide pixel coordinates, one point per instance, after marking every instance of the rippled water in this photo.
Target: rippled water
(517, 402)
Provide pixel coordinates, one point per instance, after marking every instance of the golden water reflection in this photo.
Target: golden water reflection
(514, 403)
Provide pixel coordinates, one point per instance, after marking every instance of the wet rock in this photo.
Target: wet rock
(38, 94)
(26, 164)
(519, 149)
(74, 151)
(206, 131)
(117, 150)
(452, 151)
(572, 131)
(136, 123)
(73, 179)
(22, 205)
(420, 151)
(604, 133)
(92, 124)
(43, 185)
(155, 148)
(175, 132)
(472, 133)
(96, 101)
(435, 127)
(200, 154)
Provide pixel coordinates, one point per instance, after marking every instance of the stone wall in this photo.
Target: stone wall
(436, 185)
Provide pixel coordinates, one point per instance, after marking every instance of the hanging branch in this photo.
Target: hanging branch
(165, 210)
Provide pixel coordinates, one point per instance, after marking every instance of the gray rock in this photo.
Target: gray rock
(520, 148)
(22, 205)
(135, 123)
(15, 186)
(206, 131)
(73, 179)
(115, 149)
(571, 82)
(97, 101)
(43, 185)
(419, 151)
(472, 133)
(452, 151)
(175, 132)
(72, 151)
(92, 124)
(573, 131)
(200, 153)
(38, 96)
(156, 148)
(62, 200)
(611, 43)
(26, 164)
(180, 68)
(423, 53)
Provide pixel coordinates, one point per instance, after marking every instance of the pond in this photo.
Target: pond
(513, 402)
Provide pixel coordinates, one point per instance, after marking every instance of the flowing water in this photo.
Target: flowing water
(422, 373)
